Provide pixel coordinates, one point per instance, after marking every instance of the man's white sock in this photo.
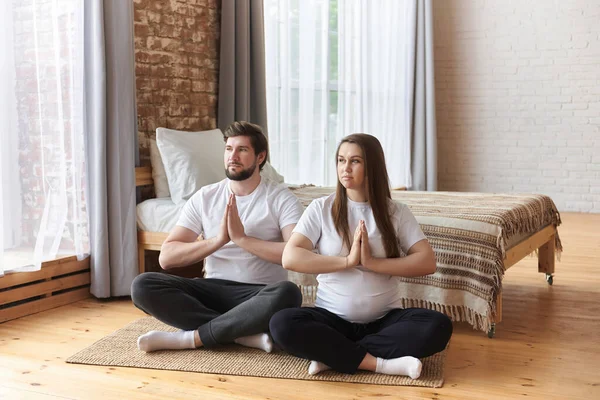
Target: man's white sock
(407, 366)
(315, 367)
(259, 341)
(157, 340)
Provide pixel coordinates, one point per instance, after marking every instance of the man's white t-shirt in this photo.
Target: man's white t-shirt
(264, 213)
(357, 294)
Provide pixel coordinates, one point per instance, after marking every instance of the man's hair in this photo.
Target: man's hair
(254, 132)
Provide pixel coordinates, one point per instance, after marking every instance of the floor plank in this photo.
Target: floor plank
(546, 347)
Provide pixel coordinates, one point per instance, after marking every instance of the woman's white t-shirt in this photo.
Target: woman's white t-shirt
(357, 294)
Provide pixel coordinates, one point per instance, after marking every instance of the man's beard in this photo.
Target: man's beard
(240, 175)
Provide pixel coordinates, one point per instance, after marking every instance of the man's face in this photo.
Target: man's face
(241, 162)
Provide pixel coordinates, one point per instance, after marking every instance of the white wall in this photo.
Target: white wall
(518, 98)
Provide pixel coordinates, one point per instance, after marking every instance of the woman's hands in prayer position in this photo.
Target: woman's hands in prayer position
(360, 252)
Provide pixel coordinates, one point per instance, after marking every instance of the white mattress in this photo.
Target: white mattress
(158, 215)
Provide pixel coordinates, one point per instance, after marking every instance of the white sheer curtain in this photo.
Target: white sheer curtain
(298, 97)
(336, 67)
(42, 192)
(10, 187)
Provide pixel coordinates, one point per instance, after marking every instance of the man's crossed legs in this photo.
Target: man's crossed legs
(210, 312)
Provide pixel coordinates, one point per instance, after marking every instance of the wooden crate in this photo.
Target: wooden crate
(57, 283)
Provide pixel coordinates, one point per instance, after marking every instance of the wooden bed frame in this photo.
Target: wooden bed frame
(543, 241)
(146, 240)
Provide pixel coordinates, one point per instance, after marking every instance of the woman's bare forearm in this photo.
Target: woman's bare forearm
(416, 264)
(302, 260)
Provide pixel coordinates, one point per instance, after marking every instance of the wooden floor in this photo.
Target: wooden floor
(547, 347)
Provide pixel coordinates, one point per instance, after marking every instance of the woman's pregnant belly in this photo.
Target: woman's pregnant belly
(357, 295)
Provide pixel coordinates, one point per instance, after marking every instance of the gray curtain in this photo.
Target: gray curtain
(242, 87)
(111, 144)
(423, 133)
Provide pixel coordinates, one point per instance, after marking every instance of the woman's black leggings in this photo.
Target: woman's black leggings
(317, 334)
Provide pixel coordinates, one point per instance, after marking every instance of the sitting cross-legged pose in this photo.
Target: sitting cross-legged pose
(239, 227)
(364, 240)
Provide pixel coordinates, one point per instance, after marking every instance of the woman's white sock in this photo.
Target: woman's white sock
(315, 367)
(407, 366)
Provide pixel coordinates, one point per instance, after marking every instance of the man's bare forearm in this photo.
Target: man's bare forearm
(268, 251)
(180, 254)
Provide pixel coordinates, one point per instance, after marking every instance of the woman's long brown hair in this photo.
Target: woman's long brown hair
(378, 193)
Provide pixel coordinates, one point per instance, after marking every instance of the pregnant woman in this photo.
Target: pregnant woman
(363, 241)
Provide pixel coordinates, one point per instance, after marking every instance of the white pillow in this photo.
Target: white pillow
(191, 160)
(159, 176)
(269, 172)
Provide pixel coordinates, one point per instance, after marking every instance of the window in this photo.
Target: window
(334, 68)
(42, 163)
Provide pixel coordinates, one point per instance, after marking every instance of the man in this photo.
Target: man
(239, 227)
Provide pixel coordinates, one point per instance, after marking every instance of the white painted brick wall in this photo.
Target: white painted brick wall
(518, 98)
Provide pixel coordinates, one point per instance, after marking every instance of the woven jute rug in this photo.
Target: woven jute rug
(120, 349)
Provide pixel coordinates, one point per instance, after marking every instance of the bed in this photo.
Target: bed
(476, 238)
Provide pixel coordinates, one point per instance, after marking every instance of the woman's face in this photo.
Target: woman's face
(351, 166)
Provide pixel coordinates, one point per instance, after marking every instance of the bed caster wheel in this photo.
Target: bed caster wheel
(492, 331)
(549, 279)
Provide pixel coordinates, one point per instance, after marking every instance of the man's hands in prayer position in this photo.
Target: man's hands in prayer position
(231, 226)
(235, 228)
(223, 235)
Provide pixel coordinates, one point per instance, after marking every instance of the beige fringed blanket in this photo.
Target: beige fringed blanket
(470, 233)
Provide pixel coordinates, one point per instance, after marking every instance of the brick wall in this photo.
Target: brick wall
(518, 98)
(177, 64)
(177, 73)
